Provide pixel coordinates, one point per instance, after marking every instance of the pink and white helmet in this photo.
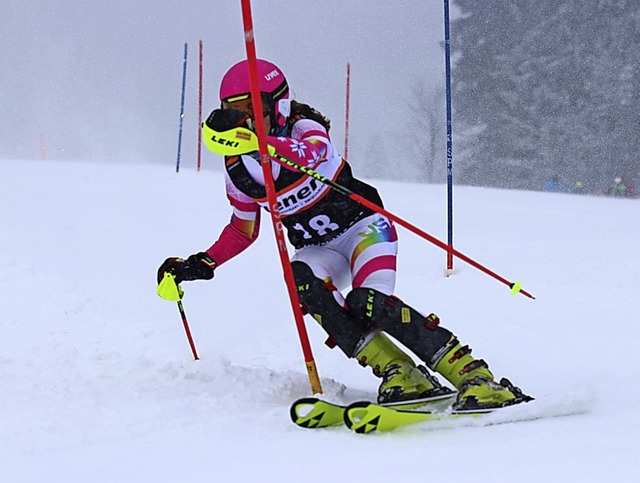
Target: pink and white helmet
(235, 86)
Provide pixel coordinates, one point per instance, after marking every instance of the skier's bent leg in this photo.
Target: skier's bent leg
(401, 379)
(317, 299)
(436, 346)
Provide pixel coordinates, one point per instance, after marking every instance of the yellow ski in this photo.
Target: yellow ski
(311, 412)
(365, 417)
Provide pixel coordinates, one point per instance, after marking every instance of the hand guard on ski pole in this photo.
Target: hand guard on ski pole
(168, 289)
(224, 139)
(199, 266)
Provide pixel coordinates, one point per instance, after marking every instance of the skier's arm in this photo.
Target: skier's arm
(241, 231)
(308, 145)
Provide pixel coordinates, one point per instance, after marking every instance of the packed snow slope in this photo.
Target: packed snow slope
(98, 383)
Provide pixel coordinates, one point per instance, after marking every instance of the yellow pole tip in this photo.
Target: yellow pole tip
(516, 287)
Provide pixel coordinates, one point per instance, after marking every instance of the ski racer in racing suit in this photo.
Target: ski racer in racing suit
(339, 244)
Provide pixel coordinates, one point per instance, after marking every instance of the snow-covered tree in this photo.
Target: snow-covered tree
(547, 88)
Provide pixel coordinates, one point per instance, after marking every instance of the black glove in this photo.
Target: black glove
(197, 267)
(221, 120)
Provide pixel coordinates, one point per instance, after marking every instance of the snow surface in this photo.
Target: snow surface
(99, 385)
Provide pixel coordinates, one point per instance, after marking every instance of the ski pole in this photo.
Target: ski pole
(241, 141)
(187, 331)
(514, 286)
(265, 162)
(168, 289)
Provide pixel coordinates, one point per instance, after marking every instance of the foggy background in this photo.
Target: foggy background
(102, 80)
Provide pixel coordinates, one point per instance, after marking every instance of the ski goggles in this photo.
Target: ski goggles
(244, 103)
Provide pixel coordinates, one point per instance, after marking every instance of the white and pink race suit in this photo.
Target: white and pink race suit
(334, 235)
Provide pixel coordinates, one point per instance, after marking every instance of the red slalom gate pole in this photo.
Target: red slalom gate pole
(278, 227)
(200, 108)
(346, 114)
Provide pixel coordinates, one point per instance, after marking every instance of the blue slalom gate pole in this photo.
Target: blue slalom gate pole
(184, 81)
(447, 62)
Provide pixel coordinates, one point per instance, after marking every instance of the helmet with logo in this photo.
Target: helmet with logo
(235, 90)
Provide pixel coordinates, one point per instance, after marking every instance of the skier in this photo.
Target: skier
(622, 188)
(579, 188)
(338, 243)
(553, 185)
(618, 189)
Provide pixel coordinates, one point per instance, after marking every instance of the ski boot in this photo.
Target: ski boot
(401, 379)
(438, 347)
(476, 385)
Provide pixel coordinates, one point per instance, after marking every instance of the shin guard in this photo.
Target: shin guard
(422, 335)
(317, 300)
